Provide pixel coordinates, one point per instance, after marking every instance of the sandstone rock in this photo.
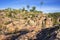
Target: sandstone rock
(2, 37)
(10, 27)
(58, 34)
(49, 23)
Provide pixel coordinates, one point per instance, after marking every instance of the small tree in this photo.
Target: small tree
(23, 9)
(33, 9)
(28, 7)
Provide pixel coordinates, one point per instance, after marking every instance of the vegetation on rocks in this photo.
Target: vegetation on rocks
(21, 24)
(55, 16)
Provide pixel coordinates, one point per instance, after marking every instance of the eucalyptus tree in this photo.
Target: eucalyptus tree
(33, 8)
(23, 9)
(28, 7)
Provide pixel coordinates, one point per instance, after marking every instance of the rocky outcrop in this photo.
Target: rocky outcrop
(44, 34)
(49, 22)
(12, 26)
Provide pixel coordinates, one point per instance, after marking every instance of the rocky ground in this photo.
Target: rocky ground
(27, 26)
(45, 34)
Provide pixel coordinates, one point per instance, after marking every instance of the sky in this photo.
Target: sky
(48, 5)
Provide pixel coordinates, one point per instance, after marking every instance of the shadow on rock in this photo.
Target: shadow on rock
(15, 35)
(47, 34)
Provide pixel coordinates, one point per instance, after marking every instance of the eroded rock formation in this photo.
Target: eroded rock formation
(12, 27)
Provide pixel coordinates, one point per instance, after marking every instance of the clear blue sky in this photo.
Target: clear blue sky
(48, 6)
